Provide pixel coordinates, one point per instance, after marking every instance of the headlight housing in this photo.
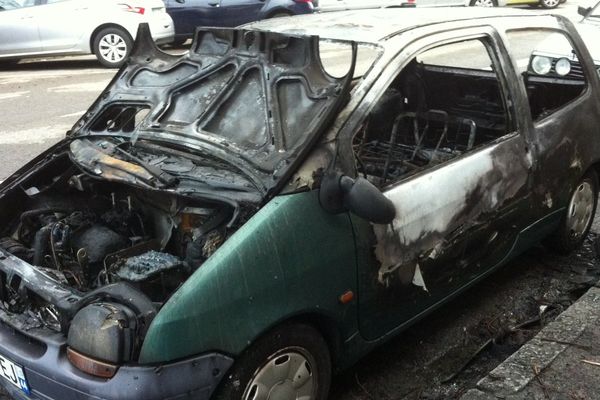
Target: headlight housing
(103, 336)
(541, 65)
(562, 67)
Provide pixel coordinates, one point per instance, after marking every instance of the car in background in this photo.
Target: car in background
(338, 5)
(188, 14)
(8, 5)
(33, 28)
(536, 3)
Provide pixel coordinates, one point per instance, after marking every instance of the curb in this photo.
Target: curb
(518, 370)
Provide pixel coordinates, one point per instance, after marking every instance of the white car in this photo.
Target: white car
(106, 28)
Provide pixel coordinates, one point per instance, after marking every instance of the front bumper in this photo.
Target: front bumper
(51, 376)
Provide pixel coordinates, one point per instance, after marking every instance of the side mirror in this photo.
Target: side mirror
(360, 197)
(583, 11)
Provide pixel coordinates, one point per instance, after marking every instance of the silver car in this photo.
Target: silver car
(107, 28)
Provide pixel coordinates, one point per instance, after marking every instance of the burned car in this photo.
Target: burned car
(244, 220)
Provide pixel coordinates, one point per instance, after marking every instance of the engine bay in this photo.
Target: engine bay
(87, 234)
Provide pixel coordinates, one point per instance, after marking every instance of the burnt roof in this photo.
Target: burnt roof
(375, 25)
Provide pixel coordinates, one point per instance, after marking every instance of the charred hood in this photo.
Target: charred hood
(255, 101)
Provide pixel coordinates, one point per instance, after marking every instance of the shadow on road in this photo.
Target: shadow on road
(49, 64)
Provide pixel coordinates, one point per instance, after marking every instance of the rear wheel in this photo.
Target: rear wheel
(577, 221)
(483, 3)
(112, 46)
(291, 362)
(549, 3)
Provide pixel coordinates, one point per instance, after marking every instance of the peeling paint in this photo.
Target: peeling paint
(438, 207)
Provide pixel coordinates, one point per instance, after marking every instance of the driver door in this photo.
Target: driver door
(441, 144)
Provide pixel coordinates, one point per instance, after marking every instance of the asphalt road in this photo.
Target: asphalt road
(40, 101)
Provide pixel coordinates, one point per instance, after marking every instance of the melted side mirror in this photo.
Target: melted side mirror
(339, 193)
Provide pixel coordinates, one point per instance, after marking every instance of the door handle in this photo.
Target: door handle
(214, 4)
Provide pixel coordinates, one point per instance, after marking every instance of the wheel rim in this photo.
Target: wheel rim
(483, 3)
(287, 375)
(580, 210)
(112, 47)
(551, 3)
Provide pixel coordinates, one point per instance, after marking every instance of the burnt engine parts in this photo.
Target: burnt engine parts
(111, 235)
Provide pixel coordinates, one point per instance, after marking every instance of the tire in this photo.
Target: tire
(549, 3)
(112, 46)
(280, 14)
(577, 220)
(296, 352)
(483, 3)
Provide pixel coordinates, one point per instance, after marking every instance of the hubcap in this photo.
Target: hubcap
(551, 3)
(484, 3)
(287, 375)
(112, 48)
(580, 210)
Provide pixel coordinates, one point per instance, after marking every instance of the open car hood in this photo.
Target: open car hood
(257, 101)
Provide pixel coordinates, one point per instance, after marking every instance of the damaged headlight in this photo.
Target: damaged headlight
(562, 67)
(101, 337)
(541, 65)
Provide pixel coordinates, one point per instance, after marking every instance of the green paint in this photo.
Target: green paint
(290, 258)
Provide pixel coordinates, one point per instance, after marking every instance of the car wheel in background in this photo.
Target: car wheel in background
(577, 220)
(483, 3)
(290, 362)
(280, 14)
(549, 3)
(112, 46)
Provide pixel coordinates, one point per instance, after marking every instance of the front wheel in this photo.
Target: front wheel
(291, 362)
(549, 3)
(112, 46)
(483, 3)
(577, 220)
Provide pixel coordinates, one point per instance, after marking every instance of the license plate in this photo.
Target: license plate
(14, 374)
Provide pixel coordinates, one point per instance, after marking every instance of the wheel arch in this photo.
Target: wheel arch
(327, 327)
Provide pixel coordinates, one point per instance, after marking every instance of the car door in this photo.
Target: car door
(238, 12)
(442, 142)
(18, 31)
(54, 33)
(189, 14)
